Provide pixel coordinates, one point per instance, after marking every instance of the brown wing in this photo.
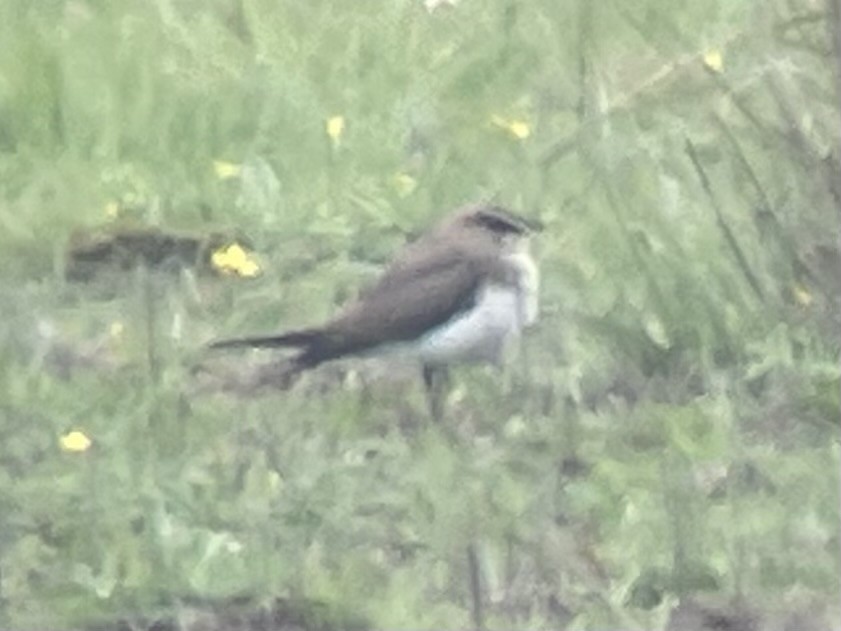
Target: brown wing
(406, 302)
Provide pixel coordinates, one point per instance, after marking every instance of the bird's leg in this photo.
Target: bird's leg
(436, 379)
(432, 396)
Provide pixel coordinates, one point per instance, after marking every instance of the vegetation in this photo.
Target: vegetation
(662, 453)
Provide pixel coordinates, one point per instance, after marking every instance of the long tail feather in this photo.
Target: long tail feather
(293, 339)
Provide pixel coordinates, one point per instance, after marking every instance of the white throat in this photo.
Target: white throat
(527, 284)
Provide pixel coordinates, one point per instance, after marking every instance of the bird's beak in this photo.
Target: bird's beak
(533, 224)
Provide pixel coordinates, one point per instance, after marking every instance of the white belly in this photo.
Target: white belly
(479, 334)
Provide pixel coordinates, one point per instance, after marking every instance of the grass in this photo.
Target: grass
(665, 445)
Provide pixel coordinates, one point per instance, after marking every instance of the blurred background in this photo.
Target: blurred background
(662, 453)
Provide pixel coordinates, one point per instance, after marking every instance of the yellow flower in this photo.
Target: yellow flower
(112, 209)
(520, 129)
(405, 184)
(75, 441)
(226, 170)
(431, 5)
(275, 481)
(233, 259)
(116, 329)
(802, 296)
(714, 60)
(335, 127)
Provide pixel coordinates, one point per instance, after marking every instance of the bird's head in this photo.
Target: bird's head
(501, 221)
(491, 223)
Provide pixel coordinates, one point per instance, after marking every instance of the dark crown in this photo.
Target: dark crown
(502, 221)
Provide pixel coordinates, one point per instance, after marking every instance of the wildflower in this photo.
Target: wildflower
(335, 127)
(275, 481)
(75, 441)
(656, 331)
(233, 259)
(226, 170)
(802, 296)
(404, 184)
(112, 209)
(431, 5)
(714, 60)
(116, 329)
(520, 129)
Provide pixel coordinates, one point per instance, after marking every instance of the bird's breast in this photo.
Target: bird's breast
(479, 333)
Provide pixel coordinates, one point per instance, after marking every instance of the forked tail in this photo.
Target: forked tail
(293, 339)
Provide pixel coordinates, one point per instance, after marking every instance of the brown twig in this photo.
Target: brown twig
(800, 267)
(720, 81)
(741, 259)
(477, 611)
(835, 29)
(624, 102)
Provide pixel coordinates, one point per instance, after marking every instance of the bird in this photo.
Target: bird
(459, 294)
